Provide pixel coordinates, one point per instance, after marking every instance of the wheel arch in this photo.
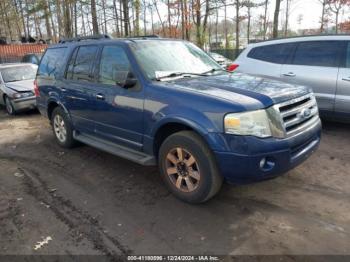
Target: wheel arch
(172, 126)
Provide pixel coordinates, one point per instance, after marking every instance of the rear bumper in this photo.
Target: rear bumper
(244, 163)
(24, 103)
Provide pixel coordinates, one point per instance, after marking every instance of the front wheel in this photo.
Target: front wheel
(188, 167)
(62, 128)
(9, 106)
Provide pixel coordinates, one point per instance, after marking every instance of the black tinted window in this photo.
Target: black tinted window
(52, 60)
(322, 53)
(84, 60)
(272, 53)
(114, 65)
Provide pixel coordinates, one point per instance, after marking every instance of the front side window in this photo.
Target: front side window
(317, 53)
(114, 65)
(52, 60)
(18, 73)
(160, 58)
(277, 53)
(80, 66)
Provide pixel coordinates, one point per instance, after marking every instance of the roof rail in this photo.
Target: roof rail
(83, 38)
(302, 36)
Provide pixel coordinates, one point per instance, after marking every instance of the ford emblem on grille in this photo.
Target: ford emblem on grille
(305, 113)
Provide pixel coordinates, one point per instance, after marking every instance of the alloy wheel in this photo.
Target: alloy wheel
(182, 169)
(60, 128)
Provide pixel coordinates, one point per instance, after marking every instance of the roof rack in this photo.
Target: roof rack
(84, 38)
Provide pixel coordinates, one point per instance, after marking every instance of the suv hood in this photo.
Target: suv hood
(267, 91)
(21, 86)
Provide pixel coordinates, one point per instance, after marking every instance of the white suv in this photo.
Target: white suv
(321, 62)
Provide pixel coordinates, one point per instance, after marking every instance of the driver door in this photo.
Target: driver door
(119, 111)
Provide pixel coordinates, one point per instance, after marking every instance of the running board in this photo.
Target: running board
(121, 151)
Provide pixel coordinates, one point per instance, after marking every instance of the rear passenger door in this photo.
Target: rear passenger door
(342, 98)
(315, 64)
(78, 88)
(266, 60)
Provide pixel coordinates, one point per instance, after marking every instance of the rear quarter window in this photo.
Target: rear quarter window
(317, 53)
(51, 62)
(277, 53)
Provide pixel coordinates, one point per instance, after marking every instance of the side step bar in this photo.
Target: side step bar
(121, 151)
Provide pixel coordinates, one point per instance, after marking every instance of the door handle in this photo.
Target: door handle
(63, 89)
(290, 74)
(100, 97)
(346, 79)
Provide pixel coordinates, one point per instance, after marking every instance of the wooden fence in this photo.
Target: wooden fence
(14, 52)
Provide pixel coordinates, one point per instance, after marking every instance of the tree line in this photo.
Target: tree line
(195, 20)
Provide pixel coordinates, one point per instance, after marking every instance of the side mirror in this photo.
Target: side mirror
(128, 81)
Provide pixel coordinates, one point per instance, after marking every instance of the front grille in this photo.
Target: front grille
(298, 114)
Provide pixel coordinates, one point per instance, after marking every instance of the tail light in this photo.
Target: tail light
(232, 67)
(36, 89)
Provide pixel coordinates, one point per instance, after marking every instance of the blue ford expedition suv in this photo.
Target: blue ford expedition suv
(166, 102)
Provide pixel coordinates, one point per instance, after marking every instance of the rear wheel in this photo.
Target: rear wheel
(62, 128)
(9, 106)
(188, 167)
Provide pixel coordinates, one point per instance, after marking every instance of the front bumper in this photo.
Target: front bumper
(243, 164)
(24, 103)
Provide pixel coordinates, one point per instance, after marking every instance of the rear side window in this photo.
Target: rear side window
(317, 53)
(81, 63)
(51, 62)
(272, 53)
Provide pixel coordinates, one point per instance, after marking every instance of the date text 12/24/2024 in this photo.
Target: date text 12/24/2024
(173, 258)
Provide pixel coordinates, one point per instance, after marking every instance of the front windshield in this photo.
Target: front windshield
(18, 73)
(161, 58)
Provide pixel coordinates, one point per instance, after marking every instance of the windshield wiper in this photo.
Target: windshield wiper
(175, 74)
(212, 71)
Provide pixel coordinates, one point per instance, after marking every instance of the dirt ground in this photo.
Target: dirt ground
(84, 201)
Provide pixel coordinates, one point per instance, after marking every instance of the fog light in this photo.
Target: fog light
(262, 163)
(267, 164)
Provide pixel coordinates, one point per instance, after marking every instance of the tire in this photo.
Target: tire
(9, 106)
(62, 128)
(188, 167)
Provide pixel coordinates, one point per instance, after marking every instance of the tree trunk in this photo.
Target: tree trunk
(248, 25)
(116, 18)
(287, 18)
(225, 25)
(336, 21)
(324, 2)
(237, 5)
(67, 19)
(187, 33)
(137, 17)
(126, 17)
(265, 19)
(47, 20)
(104, 17)
(275, 19)
(94, 17)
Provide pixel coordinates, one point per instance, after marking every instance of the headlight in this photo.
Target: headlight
(22, 95)
(253, 123)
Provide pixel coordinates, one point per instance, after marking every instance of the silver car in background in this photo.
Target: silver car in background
(321, 62)
(17, 87)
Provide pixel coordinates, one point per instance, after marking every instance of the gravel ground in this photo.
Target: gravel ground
(84, 201)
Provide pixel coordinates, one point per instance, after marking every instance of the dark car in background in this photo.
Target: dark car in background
(33, 58)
